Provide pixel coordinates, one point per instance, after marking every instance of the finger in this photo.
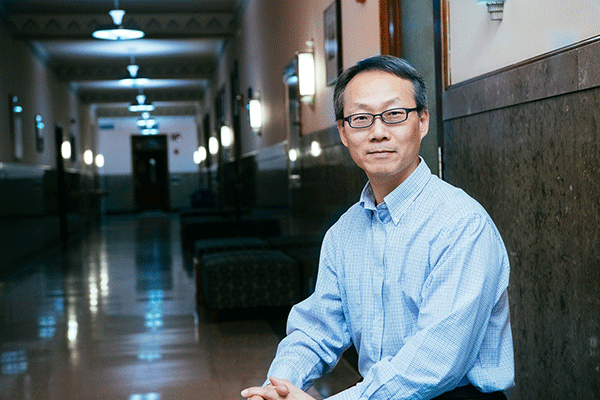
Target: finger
(266, 393)
(282, 390)
(282, 386)
(280, 382)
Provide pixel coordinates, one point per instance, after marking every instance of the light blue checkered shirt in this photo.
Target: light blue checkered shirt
(419, 285)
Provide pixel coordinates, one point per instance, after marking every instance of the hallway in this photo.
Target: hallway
(114, 317)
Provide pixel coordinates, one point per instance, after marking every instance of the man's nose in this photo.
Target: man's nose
(379, 129)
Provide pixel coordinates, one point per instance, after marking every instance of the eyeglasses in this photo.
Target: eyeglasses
(365, 120)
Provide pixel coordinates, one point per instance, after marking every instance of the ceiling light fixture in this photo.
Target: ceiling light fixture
(118, 31)
(134, 81)
(133, 68)
(141, 99)
(141, 107)
(150, 131)
(146, 123)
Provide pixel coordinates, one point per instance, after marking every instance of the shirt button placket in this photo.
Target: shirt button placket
(379, 240)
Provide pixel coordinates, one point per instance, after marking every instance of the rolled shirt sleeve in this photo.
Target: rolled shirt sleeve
(317, 333)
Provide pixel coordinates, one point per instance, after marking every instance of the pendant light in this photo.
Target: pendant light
(118, 31)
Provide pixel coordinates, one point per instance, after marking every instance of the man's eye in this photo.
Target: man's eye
(360, 118)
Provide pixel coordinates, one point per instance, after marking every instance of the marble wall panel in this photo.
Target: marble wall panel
(555, 74)
(588, 73)
(535, 167)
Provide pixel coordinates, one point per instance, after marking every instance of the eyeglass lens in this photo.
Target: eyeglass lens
(364, 120)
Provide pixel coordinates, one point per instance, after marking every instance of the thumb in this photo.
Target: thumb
(280, 386)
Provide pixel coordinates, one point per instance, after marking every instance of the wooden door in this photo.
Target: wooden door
(150, 172)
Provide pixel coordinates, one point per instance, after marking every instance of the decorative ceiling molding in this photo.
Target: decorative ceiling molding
(128, 95)
(113, 112)
(79, 72)
(193, 25)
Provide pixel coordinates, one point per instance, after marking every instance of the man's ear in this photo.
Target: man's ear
(342, 131)
(424, 123)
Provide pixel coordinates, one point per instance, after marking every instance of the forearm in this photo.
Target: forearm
(297, 360)
(317, 332)
(315, 341)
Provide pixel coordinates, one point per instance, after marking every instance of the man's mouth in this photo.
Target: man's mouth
(380, 151)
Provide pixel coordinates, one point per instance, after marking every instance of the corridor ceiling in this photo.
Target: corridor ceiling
(178, 54)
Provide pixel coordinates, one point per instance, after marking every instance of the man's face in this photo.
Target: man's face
(387, 153)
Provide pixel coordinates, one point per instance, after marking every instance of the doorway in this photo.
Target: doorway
(150, 172)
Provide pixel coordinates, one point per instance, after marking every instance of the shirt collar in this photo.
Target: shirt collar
(400, 198)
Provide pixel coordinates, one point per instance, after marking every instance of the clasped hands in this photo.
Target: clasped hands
(277, 390)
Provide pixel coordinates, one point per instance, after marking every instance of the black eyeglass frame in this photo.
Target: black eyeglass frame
(380, 115)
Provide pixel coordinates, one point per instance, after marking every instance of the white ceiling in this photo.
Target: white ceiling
(94, 50)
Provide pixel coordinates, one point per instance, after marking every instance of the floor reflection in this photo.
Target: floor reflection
(114, 317)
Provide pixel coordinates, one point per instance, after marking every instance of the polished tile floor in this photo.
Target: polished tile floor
(114, 317)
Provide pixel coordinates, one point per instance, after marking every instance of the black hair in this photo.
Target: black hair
(393, 65)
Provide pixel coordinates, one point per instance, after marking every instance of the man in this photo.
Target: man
(414, 275)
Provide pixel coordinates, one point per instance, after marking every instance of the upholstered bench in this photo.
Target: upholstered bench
(249, 278)
(207, 246)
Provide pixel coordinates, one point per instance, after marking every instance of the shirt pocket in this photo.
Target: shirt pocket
(352, 304)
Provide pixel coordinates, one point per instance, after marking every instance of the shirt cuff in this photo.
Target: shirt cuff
(284, 371)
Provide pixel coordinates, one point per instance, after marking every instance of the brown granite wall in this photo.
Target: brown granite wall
(526, 143)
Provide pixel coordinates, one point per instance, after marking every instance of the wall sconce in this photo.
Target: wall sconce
(495, 8)
(293, 155)
(306, 74)
(213, 145)
(99, 161)
(254, 111)
(315, 149)
(226, 136)
(196, 157)
(200, 155)
(88, 157)
(65, 150)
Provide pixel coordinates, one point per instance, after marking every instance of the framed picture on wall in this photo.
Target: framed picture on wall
(16, 125)
(332, 30)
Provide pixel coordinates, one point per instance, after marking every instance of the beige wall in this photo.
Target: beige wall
(24, 74)
(271, 33)
(528, 29)
(360, 30)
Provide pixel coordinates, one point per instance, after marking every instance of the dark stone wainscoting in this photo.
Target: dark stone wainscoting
(532, 158)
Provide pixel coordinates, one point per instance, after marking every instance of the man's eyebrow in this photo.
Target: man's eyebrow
(369, 106)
